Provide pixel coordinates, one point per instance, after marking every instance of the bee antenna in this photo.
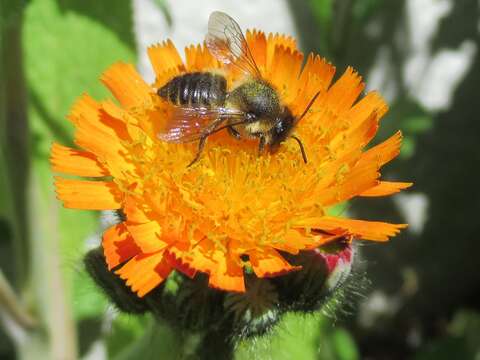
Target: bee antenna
(302, 149)
(308, 106)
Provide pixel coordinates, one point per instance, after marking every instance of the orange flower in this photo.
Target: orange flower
(231, 203)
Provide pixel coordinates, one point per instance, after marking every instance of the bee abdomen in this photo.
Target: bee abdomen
(197, 88)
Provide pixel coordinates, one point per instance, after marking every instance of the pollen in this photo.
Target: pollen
(232, 202)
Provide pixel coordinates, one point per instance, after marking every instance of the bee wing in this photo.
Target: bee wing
(226, 42)
(188, 124)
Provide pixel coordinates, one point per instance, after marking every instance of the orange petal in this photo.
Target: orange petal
(100, 134)
(363, 176)
(257, 42)
(126, 85)
(368, 230)
(129, 128)
(284, 71)
(135, 210)
(317, 75)
(342, 94)
(165, 57)
(294, 241)
(198, 258)
(355, 137)
(384, 152)
(386, 188)
(269, 263)
(227, 275)
(118, 245)
(176, 261)
(198, 58)
(147, 236)
(145, 272)
(75, 162)
(94, 195)
(277, 40)
(372, 102)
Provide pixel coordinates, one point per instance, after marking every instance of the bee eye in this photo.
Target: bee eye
(279, 126)
(250, 116)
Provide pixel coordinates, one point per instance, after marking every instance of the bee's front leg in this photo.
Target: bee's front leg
(234, 132)
(201, 145)
(261, 144)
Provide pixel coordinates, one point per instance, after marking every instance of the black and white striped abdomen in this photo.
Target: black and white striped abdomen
(197, 88)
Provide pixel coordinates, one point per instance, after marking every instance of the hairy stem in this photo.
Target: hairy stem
(216, 344)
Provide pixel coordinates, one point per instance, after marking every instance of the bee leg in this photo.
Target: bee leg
(201, 145)
(261, 145)
(234, 132)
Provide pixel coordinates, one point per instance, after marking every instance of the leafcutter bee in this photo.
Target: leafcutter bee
(204, 106)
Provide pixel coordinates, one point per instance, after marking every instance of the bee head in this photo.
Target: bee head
(283, 128)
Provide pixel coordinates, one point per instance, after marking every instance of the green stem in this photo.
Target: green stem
(35, 251)
(14, 152)
(11, 304)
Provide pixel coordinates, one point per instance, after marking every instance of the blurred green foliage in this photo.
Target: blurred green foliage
(462, 340)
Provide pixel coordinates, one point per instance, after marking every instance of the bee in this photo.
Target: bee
(203, 106)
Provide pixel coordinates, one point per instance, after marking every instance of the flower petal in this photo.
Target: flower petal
(372, 102)
(278, 40)
(126, 85)
(384, 152)
(257, 42)
(269, 263)
(284, 72)
(345, 91)
(93, 195)
(386, 188)
(361, 177)
(179, 264)
(317, 68)
(147, 236)
(356, 137)
(75, 162)
(118, 245)
(165, 57)
(145, 272)
(368, 230)
(198, 58)
(227, 275)
(100, 134)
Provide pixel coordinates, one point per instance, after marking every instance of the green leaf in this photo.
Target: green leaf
(408, 147)
(163, 6)
(144, 338)
(363, 10)
(296, 337)
(462, 340)
(417, 124)
(340, 209)
(88, 298)
(444, 349)
(344, 345)
(322, 11)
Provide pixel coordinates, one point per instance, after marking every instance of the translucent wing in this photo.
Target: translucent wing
(226, 42)
(187, 124)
